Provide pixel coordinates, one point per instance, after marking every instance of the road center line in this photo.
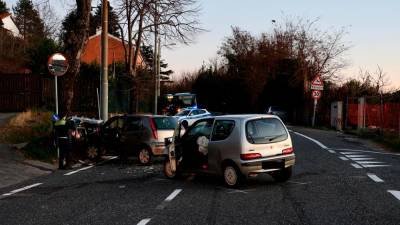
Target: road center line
(144, 221)
(173, 195)
(22, 189)
(395, 193)
(374, 177)
(313, 140)
(76, 171)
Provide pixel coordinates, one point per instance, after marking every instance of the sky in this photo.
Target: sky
(373, 29)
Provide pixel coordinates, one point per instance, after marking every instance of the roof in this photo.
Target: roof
(246, 116)
(4, 15)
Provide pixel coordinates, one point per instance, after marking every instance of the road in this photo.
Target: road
(337, 180)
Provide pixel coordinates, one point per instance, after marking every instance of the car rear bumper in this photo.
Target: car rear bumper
(265, 165)
(158, 148)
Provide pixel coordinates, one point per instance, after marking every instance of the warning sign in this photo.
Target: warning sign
(317, 84)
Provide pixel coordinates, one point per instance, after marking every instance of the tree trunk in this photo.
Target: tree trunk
(74, 47)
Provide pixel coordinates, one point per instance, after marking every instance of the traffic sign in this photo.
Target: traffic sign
(316, 94)
(317, 83)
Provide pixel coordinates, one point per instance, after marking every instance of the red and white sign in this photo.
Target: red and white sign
(316, 94)
(317, 84)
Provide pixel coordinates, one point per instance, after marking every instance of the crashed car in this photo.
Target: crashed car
(233, 146)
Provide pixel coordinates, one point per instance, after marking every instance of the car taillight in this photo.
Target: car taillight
(249, 156)
(153, 128)
(287, 151)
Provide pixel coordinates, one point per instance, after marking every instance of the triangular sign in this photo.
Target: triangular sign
(317, 81)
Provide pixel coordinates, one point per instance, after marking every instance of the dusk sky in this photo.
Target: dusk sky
(373, 29)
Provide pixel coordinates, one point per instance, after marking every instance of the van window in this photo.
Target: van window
(265, 130)
(134, 124)
(165, 123)
(222, 129)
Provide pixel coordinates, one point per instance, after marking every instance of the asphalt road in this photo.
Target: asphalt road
(337, 180)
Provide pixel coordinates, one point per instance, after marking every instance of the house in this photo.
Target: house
(116, 53)
(9, 25)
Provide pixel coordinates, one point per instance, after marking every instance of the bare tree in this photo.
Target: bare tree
(176, 20)
(50, 19)
(75, 41)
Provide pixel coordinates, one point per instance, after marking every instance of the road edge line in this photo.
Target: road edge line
(313, 140)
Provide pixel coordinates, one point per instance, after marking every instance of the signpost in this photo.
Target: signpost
(317, 85)
(58, 66)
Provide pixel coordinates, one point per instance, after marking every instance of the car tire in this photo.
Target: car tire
(92, 152)
(168, 172)
(144, 155)
(282, 175)
(232, 175)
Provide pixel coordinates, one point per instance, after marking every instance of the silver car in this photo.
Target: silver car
(234, 146)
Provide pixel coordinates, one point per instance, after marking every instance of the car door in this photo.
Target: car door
(134, 130)
(109, 132)
(220, 140)
(193, 158)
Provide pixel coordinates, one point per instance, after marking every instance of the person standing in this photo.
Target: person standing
(63, 130)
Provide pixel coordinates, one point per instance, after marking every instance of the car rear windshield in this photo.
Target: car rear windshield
(265, 130)
(165, 123)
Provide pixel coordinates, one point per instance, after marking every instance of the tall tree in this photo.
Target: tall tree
(3, 7)
(28, 21)
(95, 21)
(75, 37)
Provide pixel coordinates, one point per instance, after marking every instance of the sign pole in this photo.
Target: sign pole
(315, 108)
(56, 92)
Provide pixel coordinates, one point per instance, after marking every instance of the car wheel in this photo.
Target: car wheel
(232, 175)
(168, 172)
(282, 175)
(144, 156)
(92, 152)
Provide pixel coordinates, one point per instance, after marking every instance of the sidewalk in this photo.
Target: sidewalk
(14, 168)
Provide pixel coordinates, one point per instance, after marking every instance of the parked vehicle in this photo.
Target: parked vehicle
(139, 135)
(277, 111)
(191, 115)
(234, 146)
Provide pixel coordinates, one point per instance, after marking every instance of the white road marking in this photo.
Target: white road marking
(144, 221)
(76, 171)
(395, 193)
(361, 159)
(356, 156)
(107, 159)
(343, 158)
(366, 151)
(331, 151)
(348, 153)
(173, 195)
(374, 177)
(368, 162)
(313, 140)
(22, 189)
(355, 165)
(370, 166)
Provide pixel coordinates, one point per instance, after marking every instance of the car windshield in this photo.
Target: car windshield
(183, 113)
(266, 130)
(165, 123)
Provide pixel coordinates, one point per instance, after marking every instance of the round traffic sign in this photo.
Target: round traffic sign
(316, 94)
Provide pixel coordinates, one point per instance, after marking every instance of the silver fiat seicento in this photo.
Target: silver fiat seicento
(234, 146)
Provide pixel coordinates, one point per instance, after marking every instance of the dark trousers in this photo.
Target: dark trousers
(64, 146)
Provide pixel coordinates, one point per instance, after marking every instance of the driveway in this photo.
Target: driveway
(14, 168)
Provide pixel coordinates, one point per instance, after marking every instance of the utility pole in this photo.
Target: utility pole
(155, 59)
(104, 63)
(158, 67)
